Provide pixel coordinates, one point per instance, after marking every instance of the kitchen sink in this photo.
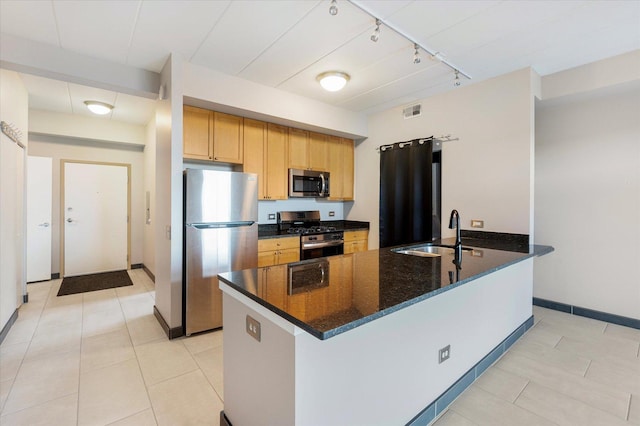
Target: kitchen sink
(428, 250)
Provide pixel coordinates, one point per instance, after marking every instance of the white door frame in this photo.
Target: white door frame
(62, 204)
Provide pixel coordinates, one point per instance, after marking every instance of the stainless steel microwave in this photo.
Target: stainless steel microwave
(308, 183)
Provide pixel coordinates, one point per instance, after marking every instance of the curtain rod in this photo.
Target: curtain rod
(443, 138)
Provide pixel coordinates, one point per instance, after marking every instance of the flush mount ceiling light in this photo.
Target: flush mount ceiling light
(376, 33)
(99, 108)
(333, 10)
(332, 81)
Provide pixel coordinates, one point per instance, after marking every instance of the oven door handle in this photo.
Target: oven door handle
(322, 244)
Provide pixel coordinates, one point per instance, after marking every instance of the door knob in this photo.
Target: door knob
(44, 224)
(69, 220)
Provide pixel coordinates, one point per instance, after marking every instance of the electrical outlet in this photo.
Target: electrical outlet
(475, 223)
(253, 328)
(332, 214)
(272, 216)
(444, 354)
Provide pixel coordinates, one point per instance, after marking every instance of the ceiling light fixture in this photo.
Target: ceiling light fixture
(416, 54)
(456, 81)
(332, 81)
(376, 33)
(99, 108)
(333, 10)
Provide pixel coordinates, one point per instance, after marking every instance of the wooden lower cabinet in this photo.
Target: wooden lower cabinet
(315, 304)
(276, 251)
(355, 241)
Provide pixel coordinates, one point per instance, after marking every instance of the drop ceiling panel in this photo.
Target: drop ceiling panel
(97, 28)
(33, 20)
(133, 109)
(315, 36)
(500, 21)
(47, 94)
(424, 19)
(404, 87)
(171, 26)
(355, 58)
(246, 30)
(383, 9)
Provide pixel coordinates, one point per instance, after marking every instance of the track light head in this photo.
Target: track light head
(416, 54)
(456, 81)
(376, 33)
(333, 10)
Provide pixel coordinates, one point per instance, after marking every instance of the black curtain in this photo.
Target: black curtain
(406, 192)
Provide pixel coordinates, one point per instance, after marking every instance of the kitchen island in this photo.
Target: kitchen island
(358, 339)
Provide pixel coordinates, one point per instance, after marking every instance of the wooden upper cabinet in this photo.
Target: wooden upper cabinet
(255, 141)
(341, 156)
(228, 138)
(308, 150)
(348, 162)
(277, 159)
(298, 149)
(213, 136)
(318, 152)
(196, 135)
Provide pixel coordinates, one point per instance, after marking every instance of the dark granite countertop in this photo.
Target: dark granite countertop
(271, 230)
(367, 285)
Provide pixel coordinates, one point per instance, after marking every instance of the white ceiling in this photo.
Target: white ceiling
(286, 44)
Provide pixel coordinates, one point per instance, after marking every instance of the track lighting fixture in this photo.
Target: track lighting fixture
(436, 56)
(376, 33)
(456, 81)
(333, 10)
(416, 54)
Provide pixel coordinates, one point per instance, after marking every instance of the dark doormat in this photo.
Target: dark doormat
(94, 282)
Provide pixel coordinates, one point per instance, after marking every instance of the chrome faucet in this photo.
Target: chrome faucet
(454, 222)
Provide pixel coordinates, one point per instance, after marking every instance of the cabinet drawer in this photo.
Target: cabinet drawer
(279, 244)
(356, 235)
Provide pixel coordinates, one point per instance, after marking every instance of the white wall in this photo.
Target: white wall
(486, 175)
(78, 126)
(588, 200)
(76, 149)
(324, 207)
(149, 256)
(14, 109)
(234, 95)
(168, 200)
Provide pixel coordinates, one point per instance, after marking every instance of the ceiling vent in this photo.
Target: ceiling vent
(412, 111)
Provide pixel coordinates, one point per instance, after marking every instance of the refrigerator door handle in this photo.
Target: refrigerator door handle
(219, 225)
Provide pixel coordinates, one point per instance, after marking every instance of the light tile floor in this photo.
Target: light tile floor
(101, 358)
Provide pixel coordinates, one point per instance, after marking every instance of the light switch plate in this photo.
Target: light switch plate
(253, 328)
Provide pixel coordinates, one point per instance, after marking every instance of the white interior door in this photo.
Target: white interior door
(95, 218)
(39, 176)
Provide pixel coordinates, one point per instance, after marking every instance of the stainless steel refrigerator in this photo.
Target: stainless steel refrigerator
(221, 235)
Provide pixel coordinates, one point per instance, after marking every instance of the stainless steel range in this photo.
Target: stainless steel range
(316, 240)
